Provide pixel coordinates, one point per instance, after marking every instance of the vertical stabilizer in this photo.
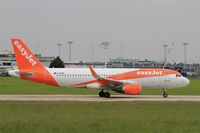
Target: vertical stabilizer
(29, 67)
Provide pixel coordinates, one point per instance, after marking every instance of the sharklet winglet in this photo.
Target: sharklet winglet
(94, 74)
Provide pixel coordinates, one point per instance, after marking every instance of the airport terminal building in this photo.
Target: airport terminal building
(8, 61)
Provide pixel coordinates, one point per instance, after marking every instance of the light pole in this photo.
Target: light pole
(171, 52)
(105, 45)
(185, 53)
(122, 55)
(165, 54)
(70, 51)
(59, 49)
(92, 58)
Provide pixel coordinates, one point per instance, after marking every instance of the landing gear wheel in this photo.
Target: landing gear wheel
(101, 94)
(107, 95)
(165, 95)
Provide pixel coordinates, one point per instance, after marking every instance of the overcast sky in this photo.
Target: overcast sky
(142, 26)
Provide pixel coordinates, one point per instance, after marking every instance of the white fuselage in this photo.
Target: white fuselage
(67, 77)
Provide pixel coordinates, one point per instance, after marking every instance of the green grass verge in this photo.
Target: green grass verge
(11, 85)
(94, 117)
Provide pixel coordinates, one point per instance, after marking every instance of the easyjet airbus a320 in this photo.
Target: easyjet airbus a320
(127, 81)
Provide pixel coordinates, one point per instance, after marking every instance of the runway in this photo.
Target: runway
(95, 98)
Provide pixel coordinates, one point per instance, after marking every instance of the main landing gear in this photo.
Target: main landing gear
(165, 95)
(104, 94)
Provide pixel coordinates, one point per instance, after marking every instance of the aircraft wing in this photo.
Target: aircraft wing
(108, 81)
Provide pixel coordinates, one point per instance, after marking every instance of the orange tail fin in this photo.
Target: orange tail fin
(24, 57)
(29, 66)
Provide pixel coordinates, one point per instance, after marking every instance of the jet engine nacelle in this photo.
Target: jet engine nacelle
(130, 89)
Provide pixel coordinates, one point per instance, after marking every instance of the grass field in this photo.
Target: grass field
(94, 117)
(11, 85)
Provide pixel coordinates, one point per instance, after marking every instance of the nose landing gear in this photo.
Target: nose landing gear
(104, 94)
(165, 95)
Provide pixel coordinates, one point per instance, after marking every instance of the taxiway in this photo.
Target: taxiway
(95, 98)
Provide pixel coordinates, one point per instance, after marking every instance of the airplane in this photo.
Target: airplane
(122, 80)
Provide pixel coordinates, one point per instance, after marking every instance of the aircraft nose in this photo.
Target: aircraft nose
(186, 81)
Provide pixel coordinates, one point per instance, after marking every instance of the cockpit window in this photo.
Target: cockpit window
(178, 75)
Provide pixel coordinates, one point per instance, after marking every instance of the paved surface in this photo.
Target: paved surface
(95, 98)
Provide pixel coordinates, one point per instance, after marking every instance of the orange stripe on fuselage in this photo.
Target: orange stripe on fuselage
(135, 74)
